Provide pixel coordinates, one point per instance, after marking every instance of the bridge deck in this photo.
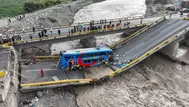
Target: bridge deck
(149, 39)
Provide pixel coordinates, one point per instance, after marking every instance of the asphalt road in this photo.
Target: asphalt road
(149, 39)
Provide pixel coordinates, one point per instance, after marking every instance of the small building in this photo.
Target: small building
(185, 4)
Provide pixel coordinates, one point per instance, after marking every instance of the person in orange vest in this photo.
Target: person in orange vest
(42, 73)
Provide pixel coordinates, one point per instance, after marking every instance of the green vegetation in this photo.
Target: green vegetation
(9, 8)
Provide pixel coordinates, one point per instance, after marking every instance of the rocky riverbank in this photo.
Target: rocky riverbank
(62, 14)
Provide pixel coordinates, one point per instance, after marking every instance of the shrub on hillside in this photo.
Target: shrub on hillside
(32, 6)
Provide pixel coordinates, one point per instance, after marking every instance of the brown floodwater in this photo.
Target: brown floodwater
(155, 82)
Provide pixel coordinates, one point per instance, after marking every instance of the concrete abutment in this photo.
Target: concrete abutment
(171, 49)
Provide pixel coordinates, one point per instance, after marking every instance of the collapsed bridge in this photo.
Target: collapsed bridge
(130, 50)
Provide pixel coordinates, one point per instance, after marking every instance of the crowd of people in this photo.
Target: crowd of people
(11, 38)
(103, 25)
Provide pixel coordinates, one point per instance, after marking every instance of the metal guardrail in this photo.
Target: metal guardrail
(58, 82)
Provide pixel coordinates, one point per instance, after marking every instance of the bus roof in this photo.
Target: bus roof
(86, 51)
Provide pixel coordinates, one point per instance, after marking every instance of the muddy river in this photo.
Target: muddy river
(155, 82)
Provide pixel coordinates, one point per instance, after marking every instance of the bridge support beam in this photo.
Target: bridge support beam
(171, 49)
(88, 42)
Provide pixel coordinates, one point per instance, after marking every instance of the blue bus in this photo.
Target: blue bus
(81, 58)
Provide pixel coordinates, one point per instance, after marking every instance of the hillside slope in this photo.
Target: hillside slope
(55, 16)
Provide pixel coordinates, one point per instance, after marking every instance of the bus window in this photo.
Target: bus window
(102, 53)
(94, 60)
(67, 58)
(87, 61)
(88, 55)
(77, 56)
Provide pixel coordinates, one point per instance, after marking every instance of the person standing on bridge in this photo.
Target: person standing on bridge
(42, 33)
(110, 22)
(33, 29)
(59, 31)
(69, 31)
(30, 35)
(20, 38)
(13, 38)
(72, 31)
(39, 34)
(141, 20)
(45, 31)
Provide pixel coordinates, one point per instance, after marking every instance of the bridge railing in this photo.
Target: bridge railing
(78, 33)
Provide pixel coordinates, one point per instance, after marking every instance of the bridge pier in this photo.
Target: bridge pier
(171, 49)
(88, 42)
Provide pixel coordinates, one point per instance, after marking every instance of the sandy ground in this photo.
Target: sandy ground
(156, 82)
